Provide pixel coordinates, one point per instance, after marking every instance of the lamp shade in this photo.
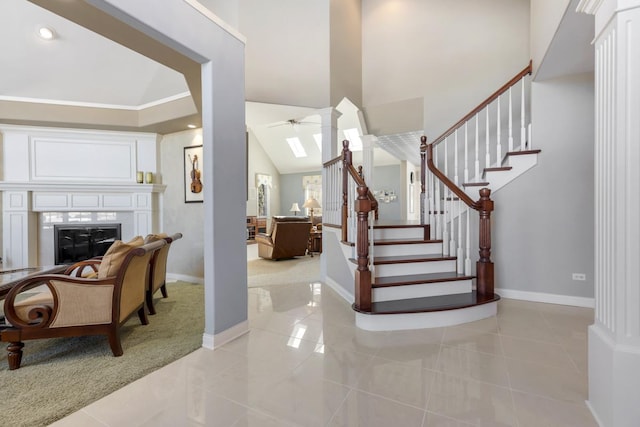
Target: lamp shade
(295, 208)
(311, 203)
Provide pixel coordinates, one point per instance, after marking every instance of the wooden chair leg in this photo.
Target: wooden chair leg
(142, 314)
(114, 342)
(163, 289)
(15, 354)
(149, 299)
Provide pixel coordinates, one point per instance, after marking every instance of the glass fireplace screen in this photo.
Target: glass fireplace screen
(79, 242)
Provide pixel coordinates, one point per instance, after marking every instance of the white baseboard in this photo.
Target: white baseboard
(214, 341)
(339, 290)
(172, 277)
(547, 298)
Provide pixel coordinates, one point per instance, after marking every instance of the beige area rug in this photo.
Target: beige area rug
(59, 376)
(265, 272)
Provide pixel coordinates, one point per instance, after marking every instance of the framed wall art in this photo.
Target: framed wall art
(193, 174)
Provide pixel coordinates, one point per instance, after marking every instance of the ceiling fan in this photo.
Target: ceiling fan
(294, 123)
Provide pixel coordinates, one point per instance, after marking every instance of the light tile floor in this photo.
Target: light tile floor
(304, 363)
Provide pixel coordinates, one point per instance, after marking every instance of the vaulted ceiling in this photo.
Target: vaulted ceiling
(84, 79)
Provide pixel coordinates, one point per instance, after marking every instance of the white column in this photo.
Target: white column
(614, 338)
(330, 150)
(368, 143)
(19, 231)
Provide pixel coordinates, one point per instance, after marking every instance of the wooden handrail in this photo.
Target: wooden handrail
(332, 161)
(442, 177)
(527, 70)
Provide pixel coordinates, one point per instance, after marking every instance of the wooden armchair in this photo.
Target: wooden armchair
(158, 268)
(289, 237)
(77, 306)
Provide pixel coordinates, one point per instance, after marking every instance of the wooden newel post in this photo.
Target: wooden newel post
(484, 266)
(363, 274)
(423, 175)
(346, 162)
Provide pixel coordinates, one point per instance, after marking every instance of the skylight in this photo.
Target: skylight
(355, 143)
(318, 138)
(296, 147)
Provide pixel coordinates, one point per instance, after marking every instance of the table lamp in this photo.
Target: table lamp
(311, 204)
(295, 209)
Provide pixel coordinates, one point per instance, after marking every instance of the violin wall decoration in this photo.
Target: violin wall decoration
(193, 174)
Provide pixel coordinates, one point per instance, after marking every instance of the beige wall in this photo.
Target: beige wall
(545, 18)
(346, 51)
(454, 54)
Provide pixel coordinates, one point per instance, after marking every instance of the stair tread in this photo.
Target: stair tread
(497, 169)
(475, 184)
(410, 258)
(523, 152)
(409, 241)
(413, 279)
(398, 224)
(430, 304)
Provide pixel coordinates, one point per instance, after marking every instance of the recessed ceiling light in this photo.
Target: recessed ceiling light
(191, 126)
(46, 33)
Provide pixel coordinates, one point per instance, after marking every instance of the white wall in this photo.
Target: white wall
(543, 222)
(545, 18)
(455, 54)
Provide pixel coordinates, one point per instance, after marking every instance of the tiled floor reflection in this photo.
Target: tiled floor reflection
(305, 364)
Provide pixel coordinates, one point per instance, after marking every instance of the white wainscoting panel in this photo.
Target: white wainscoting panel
(49, 201)
(117, 201)
(85, 201)
(142, 201)
(17, 201)
(82, 160)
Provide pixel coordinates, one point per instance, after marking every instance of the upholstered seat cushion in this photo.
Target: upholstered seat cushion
(112, 259)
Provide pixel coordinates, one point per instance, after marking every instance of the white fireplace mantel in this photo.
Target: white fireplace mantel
(70, 170)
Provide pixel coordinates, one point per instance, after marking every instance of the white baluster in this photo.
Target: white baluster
(499, 143)
(487, 160)
(445, 232)
(510, 122)
(455, 158)
(467, 261)
(522, 122)
(466, 153)
(452, 236)
(477, 164)
(529, 139)
(438, 198)
(460, 254)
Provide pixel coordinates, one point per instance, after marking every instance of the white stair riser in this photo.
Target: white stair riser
(435, 319)
(401, 269)
(408, 249)
(423, 290)
(398, 233)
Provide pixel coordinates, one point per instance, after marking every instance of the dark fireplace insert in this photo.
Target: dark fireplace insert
(79, 242)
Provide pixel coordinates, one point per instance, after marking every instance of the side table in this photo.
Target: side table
(315, 242)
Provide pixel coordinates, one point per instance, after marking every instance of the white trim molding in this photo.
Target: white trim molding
(546, 298)
(212, 342)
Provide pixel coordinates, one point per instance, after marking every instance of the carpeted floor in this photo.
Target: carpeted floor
(264, 272)
(60, 376)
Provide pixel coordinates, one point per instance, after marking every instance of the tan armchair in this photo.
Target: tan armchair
(158, 268)
(76, 306)
(289, 237)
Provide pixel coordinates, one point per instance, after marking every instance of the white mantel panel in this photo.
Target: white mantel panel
(142, 201)
(143, 222)
(118, 201)
(85, 201)
(19, 231)
(15, 147)
(51, 201)
(86, 160)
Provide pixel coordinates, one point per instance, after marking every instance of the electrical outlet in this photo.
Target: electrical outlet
(579, 276)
